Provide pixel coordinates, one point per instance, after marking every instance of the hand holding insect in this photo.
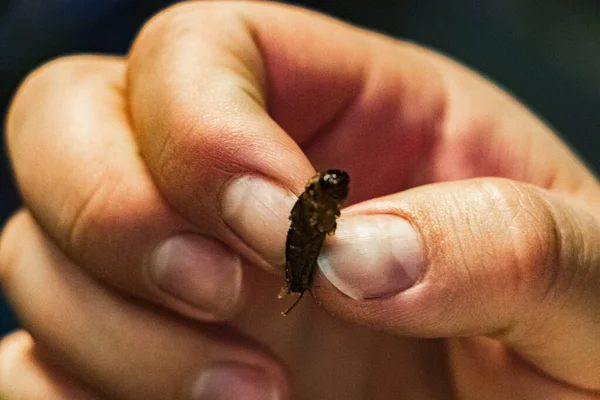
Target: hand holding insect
(157, 191)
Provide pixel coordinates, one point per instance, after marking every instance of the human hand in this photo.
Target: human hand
(148, 180)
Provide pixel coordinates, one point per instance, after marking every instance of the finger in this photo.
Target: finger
(24, 375)
(126, 349)
(204, 131)
(482, 257)
(80, 173)
(213, 112)
(218, 117)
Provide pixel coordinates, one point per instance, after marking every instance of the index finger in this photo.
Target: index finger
(223, 96)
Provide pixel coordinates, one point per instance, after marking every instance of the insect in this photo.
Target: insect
(313, 217)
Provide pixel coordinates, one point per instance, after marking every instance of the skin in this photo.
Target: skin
(115, 155)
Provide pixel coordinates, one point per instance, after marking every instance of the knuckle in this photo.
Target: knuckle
(55, 76)
(92, 214)
(55, 72)
(533, 240)
(177, 17)
(37, 80)
(160, 26)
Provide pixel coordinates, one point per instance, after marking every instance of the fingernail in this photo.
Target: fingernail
(234, 381)
(258, 211)
(198, 270)
(372, 256)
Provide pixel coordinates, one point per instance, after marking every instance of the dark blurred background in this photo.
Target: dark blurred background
(545, 52)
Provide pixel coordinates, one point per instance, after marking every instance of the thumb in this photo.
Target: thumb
(487, 257)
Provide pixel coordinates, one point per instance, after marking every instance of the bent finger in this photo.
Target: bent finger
(220, 118)
(126, 349)
(484, 257)
(78, 168)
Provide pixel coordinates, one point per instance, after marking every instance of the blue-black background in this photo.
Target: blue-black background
(546, 52)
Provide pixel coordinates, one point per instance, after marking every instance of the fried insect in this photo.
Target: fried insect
(313, 217)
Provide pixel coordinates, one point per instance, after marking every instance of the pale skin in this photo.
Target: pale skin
(116, 156)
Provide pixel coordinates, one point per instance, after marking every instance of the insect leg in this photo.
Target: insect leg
(293, 305)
